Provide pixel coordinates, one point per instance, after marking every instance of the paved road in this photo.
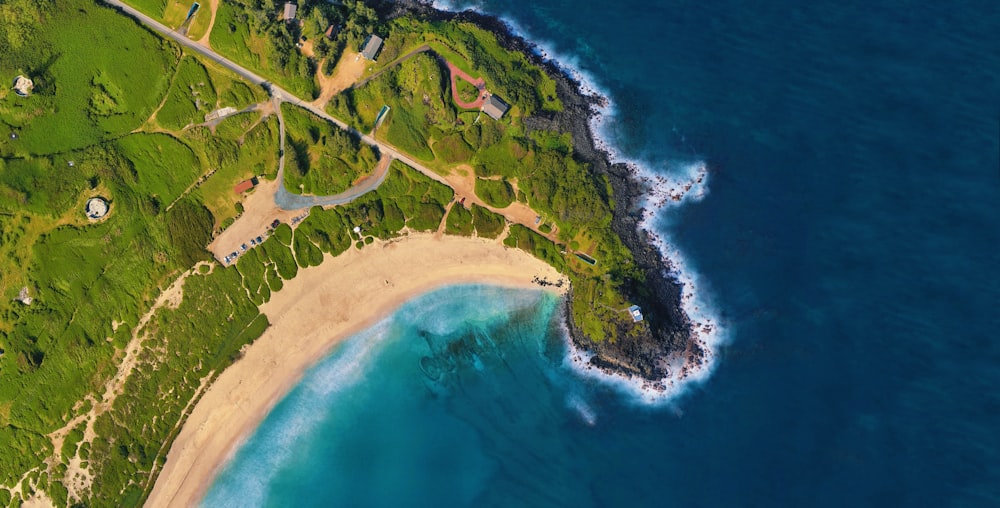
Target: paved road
(188, 43)
(289, 201)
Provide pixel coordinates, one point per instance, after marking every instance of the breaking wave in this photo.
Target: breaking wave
(671, 184)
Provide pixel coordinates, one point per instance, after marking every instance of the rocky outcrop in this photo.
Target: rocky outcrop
(669, 331)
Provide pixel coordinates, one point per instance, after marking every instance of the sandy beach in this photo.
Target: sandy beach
(311, 314)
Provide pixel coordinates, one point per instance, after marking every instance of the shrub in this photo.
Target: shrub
(488, 224)
(496, 193)
(306, 253)
(459, 221)
(190, 225)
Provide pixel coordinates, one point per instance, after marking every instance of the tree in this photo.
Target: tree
(315, 23)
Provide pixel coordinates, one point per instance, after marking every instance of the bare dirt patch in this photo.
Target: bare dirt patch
(214, 4)
(347, 72)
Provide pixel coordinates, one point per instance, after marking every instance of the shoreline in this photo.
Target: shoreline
(687, 330)
(309, 316)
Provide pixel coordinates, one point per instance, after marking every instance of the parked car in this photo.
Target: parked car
(260, 240)
(253, 242)
(243, 247)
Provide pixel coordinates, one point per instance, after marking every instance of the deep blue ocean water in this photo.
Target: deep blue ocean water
(849, 242)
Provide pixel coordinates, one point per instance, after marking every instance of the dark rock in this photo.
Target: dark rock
(669, 330)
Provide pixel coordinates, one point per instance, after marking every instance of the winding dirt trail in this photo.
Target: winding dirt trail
(77, 478)
(214, 4)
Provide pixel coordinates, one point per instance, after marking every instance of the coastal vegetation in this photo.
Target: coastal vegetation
(86, 90)
(128, 318)
(323, 158)
(425, 122)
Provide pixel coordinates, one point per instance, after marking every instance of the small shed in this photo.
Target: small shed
(371, 47)
(289, 13)
(331, 32)
(245, 185)
(636, 313)
(495, 107)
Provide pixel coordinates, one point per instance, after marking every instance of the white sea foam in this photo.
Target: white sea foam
(583, 409)
(671, 184)
(283, 436)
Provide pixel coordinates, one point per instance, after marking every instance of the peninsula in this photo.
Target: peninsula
(267, 170)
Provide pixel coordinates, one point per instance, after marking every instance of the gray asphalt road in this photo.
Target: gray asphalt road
(283, 198)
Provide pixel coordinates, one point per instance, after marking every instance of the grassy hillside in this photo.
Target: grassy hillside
(322, 158)
(97, 75)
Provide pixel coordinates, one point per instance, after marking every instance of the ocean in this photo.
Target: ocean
(847, 240)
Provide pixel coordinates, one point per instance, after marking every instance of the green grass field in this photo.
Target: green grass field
(322, 158)
(192, 95)
(90, 84)
(244, 38)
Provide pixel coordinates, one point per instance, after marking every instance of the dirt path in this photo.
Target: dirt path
(214, 4)
(260, 210)
(347, 72)
(78, 478)
(392, 64)
(463, 182)
(456, 73)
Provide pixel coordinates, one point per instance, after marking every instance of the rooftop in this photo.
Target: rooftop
(495, 107)
(97, 207)
(636, 313)
(23, 86)
(289, 13)
(245, 185)
(371, 47)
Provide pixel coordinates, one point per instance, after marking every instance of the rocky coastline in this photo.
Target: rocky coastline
(670, 336)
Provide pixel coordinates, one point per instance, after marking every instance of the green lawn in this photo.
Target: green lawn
(192, 96)
(91, 84)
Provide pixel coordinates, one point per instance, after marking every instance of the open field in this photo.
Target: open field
(89, 85)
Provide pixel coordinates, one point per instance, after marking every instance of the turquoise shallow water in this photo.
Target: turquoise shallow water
(440, 405)
(848, 241)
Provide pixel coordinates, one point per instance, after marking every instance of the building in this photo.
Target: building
(289, 13)
(97, 208)
(23, 86)
(331, 32)
(495, 107)
(636, 313)
(371, 47)
(245, 185)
